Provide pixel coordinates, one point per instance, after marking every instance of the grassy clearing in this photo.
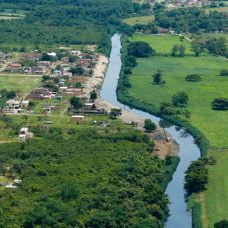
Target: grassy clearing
(139, 20)
(162, 43)
(216, 197)
(20, 83)
(212, 123)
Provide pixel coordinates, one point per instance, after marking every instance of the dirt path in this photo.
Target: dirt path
(165, 148)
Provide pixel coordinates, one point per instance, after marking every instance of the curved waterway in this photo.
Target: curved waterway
(179, 216)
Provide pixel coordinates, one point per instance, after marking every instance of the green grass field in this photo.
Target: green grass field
(21, 83)
(162, 43)
(212, 123)
(139, 20)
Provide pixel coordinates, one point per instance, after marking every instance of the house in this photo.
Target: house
(39, 93)
(40, 70)
(15, 67)
(49, 108)
(24, 103)
(57, 73)
(74, 91)
(53, 54)
(78, 118)
(75, 53)
(44, 64)
(65, 59)
(24, 134)
(89, 106)
(32, 56)
(13, 106)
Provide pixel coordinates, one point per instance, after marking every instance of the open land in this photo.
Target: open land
(139, 20)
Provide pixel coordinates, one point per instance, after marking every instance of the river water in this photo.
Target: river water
(179, 216)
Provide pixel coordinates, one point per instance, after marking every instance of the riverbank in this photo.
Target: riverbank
(158, 136)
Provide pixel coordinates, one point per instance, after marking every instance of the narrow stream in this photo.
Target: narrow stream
(179, 216)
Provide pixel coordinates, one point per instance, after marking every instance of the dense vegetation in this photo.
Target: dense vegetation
(140, 49)
(192, 20)
(74, 178)
(196, 177)
(83, 22)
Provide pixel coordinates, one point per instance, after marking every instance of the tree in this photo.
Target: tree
(140, 49)
(180, 99)
(174, 50)
(149, 125)
(77, 70)
(221, 224)
(216, 46)
(196, 177)
(101, 220)
(69, 192)
(220, 104)
(76, 103)
(197, 47)
(93, 95)
(182, 51)
(157, 78)
(224, 72)
(114, 113)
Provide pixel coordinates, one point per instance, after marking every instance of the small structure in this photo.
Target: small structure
(13, 106)
(25, 134)
(89, 106)
(24, 103)
(78, 118)
(49, 108)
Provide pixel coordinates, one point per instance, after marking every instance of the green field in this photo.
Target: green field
(162, 43)
(21, 83)
(212, 123)
(139, 20)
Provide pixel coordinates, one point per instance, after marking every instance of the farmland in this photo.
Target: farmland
(211, 123)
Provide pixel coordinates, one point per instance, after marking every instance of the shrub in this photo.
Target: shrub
(149, 125)
(223, 72)
(180, 99)
(220, 104)
(196, 177)
(140, 49)
(193, 78)
(221, 224)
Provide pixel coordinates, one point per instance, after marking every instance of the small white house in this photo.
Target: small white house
(13, 106)
(25, 134)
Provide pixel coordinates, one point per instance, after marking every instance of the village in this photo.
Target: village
(66, 75)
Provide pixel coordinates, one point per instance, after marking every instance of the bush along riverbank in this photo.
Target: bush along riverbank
(128, 63)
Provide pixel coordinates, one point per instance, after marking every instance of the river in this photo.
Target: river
(179, 216)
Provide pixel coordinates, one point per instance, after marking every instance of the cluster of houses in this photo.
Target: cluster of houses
(40, 68)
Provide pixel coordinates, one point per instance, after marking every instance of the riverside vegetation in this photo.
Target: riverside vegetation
(197, 113)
